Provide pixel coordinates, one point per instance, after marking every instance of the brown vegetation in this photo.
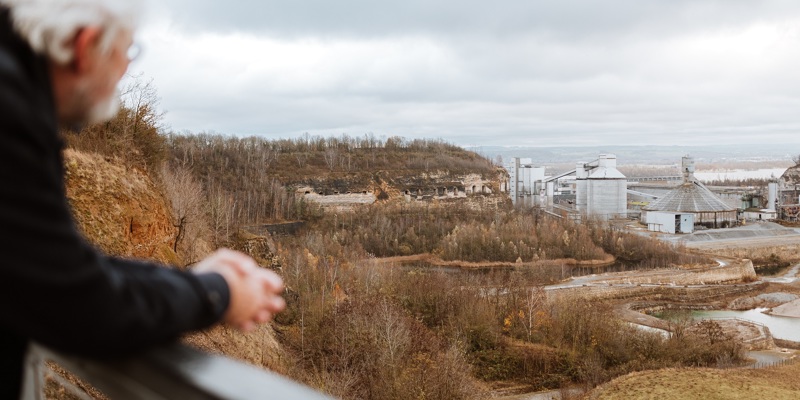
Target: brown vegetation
(703, 383)
(365, 330)
(500, 323)
(133, 135)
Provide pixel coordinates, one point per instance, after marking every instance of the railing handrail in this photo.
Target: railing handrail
(170, 372)
(740, 319)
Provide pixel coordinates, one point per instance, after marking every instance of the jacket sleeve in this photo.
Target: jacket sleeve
(54, 287)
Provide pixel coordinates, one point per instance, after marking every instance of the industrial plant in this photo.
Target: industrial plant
(671, 204)
(594, 188)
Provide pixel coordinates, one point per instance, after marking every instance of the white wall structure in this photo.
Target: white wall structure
(525, 181)
(760, 215)
(669, 222)
(581, 191)
(550, 190)
(772, 196)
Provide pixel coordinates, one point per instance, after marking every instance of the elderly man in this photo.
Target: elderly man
(60, 63)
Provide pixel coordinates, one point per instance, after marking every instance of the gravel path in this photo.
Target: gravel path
(790, 309)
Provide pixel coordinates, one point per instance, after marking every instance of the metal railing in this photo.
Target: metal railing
(171, 372)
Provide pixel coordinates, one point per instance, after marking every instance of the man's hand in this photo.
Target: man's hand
(254, 291)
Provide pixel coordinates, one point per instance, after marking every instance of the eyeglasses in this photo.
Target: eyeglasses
(134, 51)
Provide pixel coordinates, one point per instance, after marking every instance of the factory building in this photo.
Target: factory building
(525, 182)
(788, 194)
(670, 222)
(691, 197)
(599, 188)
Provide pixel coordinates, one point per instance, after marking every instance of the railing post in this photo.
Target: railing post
(173, 371)
(33, 378)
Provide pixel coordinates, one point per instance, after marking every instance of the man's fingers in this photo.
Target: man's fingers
(263, 316)
(239, 262)
(242, 263)
(277, 304)
(271, 281)
(247, 326)
(255, 292)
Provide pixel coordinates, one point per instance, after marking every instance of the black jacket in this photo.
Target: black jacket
(54, 287)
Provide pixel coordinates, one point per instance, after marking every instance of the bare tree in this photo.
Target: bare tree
(392, 332)
(220, 213)
(331, 157)
(534, 300)
(187, 198)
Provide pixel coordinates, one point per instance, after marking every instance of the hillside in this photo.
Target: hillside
(256, 180)
(704, 383)
(123, 212)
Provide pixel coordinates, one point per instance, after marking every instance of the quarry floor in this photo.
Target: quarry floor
(755, 235)
(746, 239)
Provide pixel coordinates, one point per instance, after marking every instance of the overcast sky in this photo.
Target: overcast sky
(526, 72)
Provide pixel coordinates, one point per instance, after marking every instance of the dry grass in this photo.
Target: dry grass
(704, 383)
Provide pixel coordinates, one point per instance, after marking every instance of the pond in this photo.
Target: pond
(781, 327)
(555, 273)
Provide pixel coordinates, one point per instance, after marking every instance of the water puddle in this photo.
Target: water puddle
(781, 327)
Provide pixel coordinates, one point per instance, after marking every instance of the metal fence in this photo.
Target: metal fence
(773, 364)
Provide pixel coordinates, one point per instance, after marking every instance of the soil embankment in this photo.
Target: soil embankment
(790, 309)
(438, 262)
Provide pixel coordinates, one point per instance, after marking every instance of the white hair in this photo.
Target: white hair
(49, 26)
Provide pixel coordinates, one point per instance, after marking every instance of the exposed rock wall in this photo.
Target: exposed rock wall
(343, 193)
(123, 212)
(119, 208)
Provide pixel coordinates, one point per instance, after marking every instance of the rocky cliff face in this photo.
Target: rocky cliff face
(343, 192)
(119, 209)
(123, 212)
(398, 182)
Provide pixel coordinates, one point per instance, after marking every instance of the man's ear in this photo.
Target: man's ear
(86, 46)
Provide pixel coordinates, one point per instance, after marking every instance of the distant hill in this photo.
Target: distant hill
(256, 179)
(655, 155)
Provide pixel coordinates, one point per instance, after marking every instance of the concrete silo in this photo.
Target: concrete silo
(606, 189)
(581, 190)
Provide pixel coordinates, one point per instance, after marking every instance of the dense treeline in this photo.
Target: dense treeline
(459, 233)
(295, 160)
(251, 174)
(748, 182)
(522, 237)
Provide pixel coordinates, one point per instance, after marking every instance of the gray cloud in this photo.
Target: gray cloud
(508, 72)
(567, 18)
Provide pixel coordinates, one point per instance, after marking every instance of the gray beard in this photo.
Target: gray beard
(104, 110)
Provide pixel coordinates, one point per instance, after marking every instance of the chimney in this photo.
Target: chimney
(687, 167)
